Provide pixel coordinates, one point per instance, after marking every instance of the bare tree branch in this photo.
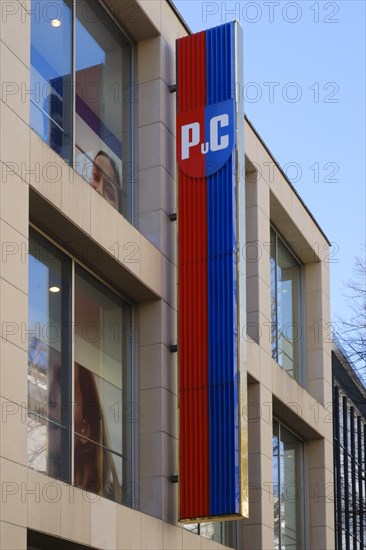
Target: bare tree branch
(352, 332)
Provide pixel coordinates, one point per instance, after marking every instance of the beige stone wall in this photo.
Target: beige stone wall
(158, 320)
(307, 410)
(14, 148)
(35, 182)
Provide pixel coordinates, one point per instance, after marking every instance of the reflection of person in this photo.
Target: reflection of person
(54, 122)
(94, 468)
(105, 178)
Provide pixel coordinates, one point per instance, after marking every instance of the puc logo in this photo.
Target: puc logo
(205, 138)
(215, 144)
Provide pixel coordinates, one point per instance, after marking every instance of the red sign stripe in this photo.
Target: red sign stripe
(193, 307)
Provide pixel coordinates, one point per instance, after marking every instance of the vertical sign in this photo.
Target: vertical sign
(211, 217)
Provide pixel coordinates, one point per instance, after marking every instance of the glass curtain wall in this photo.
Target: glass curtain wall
(80, 377)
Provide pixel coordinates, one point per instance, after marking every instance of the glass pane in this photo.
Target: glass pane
(273, 295)
(51, 74)
(99, 382)
(192, 527)
(288, 310)
(207, 530)
(97, 470)
(49, 339)
(97, 403)
(276, 490)
(292, 490)
(102, 70)
(225, 532)
(45, 441)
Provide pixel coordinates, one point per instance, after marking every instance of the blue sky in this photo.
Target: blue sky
(319, 139)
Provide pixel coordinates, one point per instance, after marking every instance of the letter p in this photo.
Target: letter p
(190, 137)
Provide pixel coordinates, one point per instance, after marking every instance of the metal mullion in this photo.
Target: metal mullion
(360, 492)
(73, 72)
(337, 450)
(302, 358)
(345, 467)
(131, 213)
(279, 484)
(303, 495)
(275, 423)
(131, 357)
(353, 478)
(72, 389)
(66, 343)
(276, 294)
(364, 481)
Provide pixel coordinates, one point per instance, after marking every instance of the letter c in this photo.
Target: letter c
(221, 121)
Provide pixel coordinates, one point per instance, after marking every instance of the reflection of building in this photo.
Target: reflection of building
(125, 331)
(349, 425)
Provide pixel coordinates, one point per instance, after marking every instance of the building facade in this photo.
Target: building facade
(349, 424)
(88, 317)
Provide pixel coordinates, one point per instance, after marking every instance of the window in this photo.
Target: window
(80, 379)
(285, 307)
(49, 350)
(79, 104)
(288, 489)
(349, 472)
(224, 532)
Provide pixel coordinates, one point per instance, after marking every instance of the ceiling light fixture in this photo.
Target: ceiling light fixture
(55, 289)
(56, 23)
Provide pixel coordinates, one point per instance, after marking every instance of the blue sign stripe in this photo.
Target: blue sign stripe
(222, 292)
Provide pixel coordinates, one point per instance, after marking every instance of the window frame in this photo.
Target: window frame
(66, 350)
(131, 378)
(301, 374)
(130, 211)
(229, 532)
(303, 482)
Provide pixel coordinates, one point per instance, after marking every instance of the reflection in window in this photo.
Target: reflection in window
(48, 350)
(223, 532)
(288, 489)
(102, 69)
(285, 307)
(51, 75)
(84, 87)
(96, 335)
(98, 381)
